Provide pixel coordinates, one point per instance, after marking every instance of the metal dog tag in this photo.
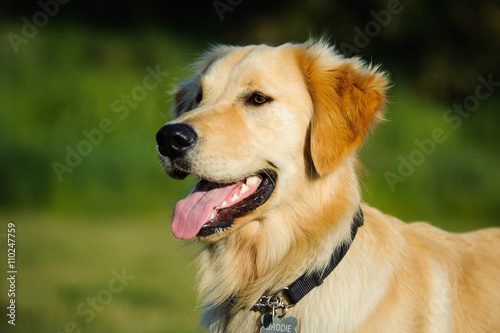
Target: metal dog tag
(274, 324)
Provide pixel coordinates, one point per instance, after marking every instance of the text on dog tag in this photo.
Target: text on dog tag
(272, 324)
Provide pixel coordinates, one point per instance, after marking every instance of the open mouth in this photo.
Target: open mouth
(212, 207)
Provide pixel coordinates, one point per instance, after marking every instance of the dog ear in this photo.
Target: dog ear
(185, 96)
(348, 98)
(189, 93)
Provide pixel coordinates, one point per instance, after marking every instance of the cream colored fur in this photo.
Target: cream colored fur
(396, 277)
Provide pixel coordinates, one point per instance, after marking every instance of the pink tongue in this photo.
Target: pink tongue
(191, 213)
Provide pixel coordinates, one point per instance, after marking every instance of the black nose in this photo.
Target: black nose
(175, 140)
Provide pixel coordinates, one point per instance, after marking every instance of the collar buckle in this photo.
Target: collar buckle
(271, 303)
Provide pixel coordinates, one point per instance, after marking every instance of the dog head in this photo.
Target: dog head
(260, 126)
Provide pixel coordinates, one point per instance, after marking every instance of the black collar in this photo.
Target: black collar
(307, 282)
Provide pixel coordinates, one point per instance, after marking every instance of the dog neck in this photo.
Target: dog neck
(307, 282)
(267, 254)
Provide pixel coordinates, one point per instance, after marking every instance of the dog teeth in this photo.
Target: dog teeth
(212, 216)
(219, 230)
(252, 180)
(224, 204)
(235, 197)
(244, 188)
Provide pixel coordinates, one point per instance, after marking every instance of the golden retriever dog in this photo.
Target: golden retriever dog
(288, 244)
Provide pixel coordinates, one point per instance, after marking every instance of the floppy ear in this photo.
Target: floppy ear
(188, 94)
(348, 98)
(185, 96)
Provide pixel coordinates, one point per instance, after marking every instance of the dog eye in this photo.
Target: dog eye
(258, 99)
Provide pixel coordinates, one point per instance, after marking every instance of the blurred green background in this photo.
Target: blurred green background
(76, 78)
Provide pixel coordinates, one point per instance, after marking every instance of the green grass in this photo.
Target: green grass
(63, 262)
